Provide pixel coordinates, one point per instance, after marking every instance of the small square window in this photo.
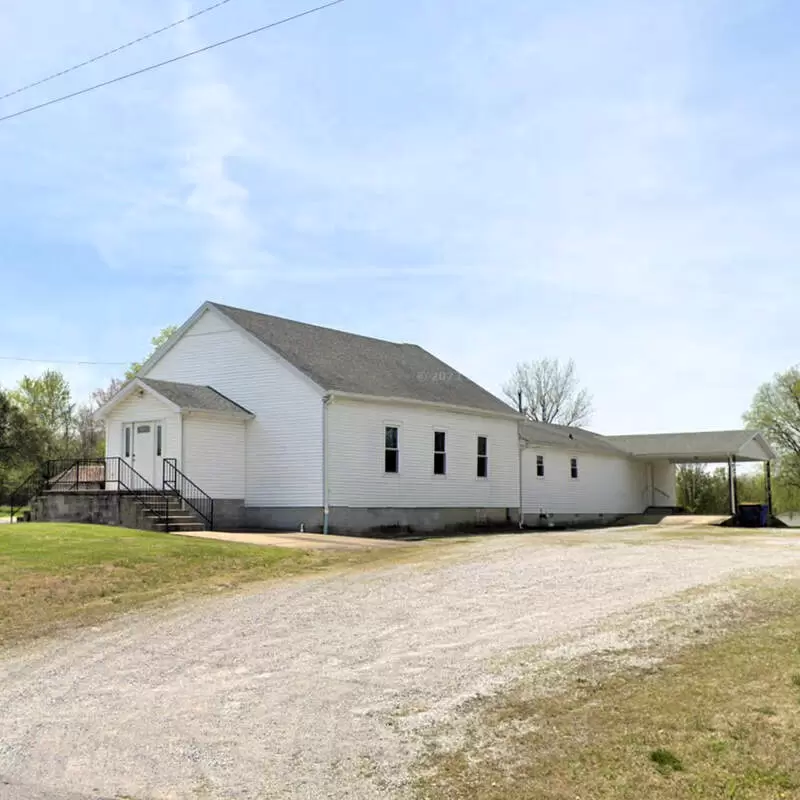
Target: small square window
(540, 466)
(483, 457)
(439, 453)
(391, 454)
(573, 468)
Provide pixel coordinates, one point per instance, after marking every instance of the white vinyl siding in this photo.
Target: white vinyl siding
(214, 454)
(284, 440)
(144, 407)
(664, 486)
(357, 478)
(605, 484)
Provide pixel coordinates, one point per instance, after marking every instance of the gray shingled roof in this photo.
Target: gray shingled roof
(568, 438)
(190, 397)
(704, 444)
(346, 362)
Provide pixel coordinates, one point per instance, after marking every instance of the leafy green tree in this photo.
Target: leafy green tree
(701, 490)
(21, 445)
(776, 411)
(20, 438)
(46, 401)
(163, 335)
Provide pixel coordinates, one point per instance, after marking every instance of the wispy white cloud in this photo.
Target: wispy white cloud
(613, 181)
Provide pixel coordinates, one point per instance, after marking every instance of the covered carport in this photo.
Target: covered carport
(709, 447)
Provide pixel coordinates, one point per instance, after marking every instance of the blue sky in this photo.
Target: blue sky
(615, 182)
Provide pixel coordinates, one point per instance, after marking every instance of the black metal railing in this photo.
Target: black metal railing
(128, 480)
(23, 495)
(188, 491)
(93, 474)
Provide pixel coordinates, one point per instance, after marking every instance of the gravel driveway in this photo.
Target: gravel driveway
(317, 687)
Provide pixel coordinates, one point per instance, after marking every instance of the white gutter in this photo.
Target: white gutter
(368, 398)
(325, 509)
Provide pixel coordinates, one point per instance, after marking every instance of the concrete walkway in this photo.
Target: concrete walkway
(302, 541)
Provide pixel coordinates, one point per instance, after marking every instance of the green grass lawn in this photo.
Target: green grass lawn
(6, 510)
(54, 575)
(719, 720)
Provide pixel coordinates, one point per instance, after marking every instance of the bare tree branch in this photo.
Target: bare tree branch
(551, 392)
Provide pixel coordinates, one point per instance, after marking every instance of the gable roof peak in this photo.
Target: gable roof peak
(338, 361)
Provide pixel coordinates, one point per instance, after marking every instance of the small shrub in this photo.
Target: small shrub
(666, 761)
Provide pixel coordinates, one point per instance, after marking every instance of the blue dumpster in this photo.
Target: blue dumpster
(753, 515)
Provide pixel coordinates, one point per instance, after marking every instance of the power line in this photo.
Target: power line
(172, 60)
(72, 363)
(115, 50)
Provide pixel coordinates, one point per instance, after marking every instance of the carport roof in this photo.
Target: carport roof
(703, 446)
(569, 438)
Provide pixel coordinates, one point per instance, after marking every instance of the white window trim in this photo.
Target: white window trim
(392, 424)
(488, 458)
(543, 476)
(577, 468)
(434, 430)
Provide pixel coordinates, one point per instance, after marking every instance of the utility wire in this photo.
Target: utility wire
(115, 50)
(74, 363)
(205, 49)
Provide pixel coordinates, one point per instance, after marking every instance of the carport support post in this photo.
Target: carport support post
(732, 483)
(768, 487)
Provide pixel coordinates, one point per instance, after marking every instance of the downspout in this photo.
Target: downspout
(521, 514)
(325, 509)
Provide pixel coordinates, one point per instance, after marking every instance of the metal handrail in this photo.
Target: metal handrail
(144, 495)
(189, 492)
(71, 474)
(35, 479)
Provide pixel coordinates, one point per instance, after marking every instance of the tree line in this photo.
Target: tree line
(40, 420)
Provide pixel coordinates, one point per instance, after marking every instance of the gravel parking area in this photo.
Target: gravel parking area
(321, 686)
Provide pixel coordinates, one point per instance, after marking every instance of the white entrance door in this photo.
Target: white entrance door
(144, 450)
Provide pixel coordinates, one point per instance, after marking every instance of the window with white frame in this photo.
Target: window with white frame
(540, 466)
(573, 468)
(391, 455)
(439, 453)
(159, 440)
(127, 441)
(483, 457)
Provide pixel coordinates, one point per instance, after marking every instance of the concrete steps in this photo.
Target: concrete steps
(182, 519)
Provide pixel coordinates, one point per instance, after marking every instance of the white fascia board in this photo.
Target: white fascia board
(368, 398)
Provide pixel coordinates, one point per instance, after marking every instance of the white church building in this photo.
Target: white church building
(283, 424)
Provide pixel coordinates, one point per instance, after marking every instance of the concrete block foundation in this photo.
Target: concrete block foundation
(96, 508)
(386, 521)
